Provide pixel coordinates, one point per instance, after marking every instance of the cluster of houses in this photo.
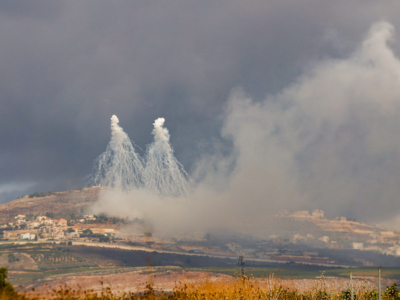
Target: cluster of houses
(45, 228)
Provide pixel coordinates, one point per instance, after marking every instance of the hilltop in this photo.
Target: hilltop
(59, 203)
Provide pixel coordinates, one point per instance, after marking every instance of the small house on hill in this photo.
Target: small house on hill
(61, 222)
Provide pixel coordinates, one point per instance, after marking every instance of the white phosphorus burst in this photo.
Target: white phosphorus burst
(119, 167)
(163, 174)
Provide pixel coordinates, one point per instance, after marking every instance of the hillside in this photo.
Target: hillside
(300, 228)
(60, 203)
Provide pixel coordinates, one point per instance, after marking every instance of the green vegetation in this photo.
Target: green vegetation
(59, 260)
(301, 272)
(12, 258)
(49, 214)
(102, 238)
(36, 194)
(6, 289)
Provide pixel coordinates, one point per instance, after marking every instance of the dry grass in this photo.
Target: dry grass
(227, 288)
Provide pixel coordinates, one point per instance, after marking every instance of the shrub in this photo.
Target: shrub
(392, 292)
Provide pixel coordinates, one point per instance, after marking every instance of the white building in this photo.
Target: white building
(301, 213)
(40, 218)
(48, 221)
(358, 246)
(61, 222)
(89, 217)
(32, 224)
(318, 213)
(324, 239)
(73, 235)
(27, 236)
(298, 237)
(234, 247)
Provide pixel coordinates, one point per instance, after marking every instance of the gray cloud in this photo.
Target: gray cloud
(66, 67)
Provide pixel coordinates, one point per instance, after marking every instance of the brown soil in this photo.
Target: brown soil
(25, 262)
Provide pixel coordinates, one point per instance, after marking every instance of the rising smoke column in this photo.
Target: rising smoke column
(119, 167)
(163, 174)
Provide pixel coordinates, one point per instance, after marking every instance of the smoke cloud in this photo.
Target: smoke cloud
(325, 141)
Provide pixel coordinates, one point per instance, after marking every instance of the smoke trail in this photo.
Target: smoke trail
(119, 166)
(163, 174)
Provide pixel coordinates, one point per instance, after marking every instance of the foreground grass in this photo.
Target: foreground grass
(234, 288)
(242, 287)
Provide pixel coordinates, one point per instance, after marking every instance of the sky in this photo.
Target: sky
(279, 104)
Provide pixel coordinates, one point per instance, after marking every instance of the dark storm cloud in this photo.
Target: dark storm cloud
(67, 66)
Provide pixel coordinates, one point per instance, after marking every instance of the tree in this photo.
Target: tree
(69, 243)
(70, 230)
(87, 231)
(50, 215)
(6, 287)
(104, 239)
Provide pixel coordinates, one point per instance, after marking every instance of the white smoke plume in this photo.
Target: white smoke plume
(327, 141)
(119, 166)
(163, 174)
(160, 133)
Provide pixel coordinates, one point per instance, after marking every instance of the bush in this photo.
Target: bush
(12, 258)
(69, 243)
(392, 292)
(34, 195)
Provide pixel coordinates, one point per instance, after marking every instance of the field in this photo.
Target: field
(47, 266)
(304, 272)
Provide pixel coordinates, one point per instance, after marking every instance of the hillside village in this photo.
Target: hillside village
(340, 233)
(45, 228)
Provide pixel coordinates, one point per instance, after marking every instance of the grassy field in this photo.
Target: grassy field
(50, 261)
